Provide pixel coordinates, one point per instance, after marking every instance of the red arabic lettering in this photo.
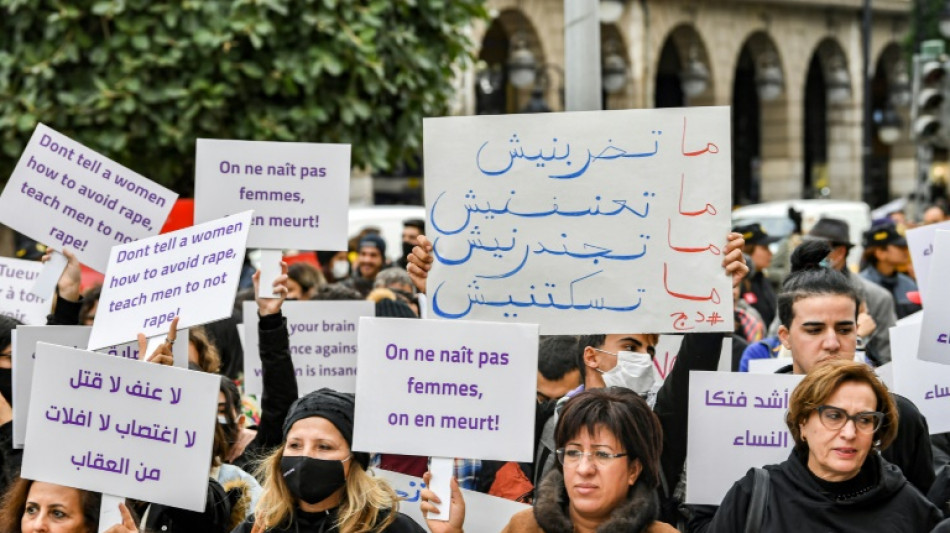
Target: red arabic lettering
(710, 147)
(711, 209)
(669, 240)
(713, 294)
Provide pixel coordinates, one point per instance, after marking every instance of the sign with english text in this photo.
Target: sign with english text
(121, 427)
(585, 222)
(16, 279)
(736, 422)
(66, 195)
(934, 334)
(446, 389)
(299, 191)
(920, 242)
(323, 344)
(24, 357)
(922, 382)
(191, 274)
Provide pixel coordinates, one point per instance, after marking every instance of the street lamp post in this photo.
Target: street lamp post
(866, 184)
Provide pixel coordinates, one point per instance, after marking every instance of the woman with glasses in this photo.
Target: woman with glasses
(835, 479)
(608, 450)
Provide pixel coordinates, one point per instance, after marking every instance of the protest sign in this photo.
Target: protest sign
(886, 373)
(934, 336)
(322, 344)
(667, 350)
(922, 382)
(920, 241)
(299, 191)
(446, 389)
(482, 511)
(24, 357)
(607, 221)
(16, 279)
(736, 422)
(121, 427)
(65, 195)
(769, 365)
(191, 273)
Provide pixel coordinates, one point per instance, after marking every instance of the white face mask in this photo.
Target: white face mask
(634, 371)
(340, 269)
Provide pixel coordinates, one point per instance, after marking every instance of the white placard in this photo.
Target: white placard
(446, 389)
(886, 373)
(667, 350)
(606, 221)
(934, 343)
(924, 383)
(323, 336)
(920, 241)
(65, 195)
(299, 191)
(24, 357)
(768, 365)
(16, 279)
(736, 422)
(122, 427)
(191, 273)
(482, 511)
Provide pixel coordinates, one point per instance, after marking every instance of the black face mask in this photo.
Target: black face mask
(6, 384)
(312, 480)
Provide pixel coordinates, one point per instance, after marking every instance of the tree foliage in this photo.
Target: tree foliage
(140, 80)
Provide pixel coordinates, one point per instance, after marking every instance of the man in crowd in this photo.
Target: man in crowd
(370, 260)
(885, 251)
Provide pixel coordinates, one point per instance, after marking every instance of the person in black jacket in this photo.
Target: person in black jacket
(834, 479)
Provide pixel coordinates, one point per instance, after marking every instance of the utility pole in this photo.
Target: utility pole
(582, 56)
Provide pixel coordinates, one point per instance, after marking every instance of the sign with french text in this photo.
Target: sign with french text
(446, 389)
(17, 277)
(299, 191)
(323, 344)
(736, 422)
(605, 221)
(24, 357)
(925, 383)
(934, 335)
(191, 274)
(920, 241)
(121, 427)
(65, 195)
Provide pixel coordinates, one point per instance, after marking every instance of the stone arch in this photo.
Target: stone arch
(494, 94)
(612, 41)
(681, 44)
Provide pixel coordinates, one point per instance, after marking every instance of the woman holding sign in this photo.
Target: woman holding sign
(839, 416)
(608, 450)
(315, 482)
(35, 507)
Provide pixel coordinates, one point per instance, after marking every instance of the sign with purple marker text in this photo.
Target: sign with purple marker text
(606, 221)
(920, 241)
(446, 389)
(121, 427)
(16, 279)
(322, 344)
(299, 191)
(736, 422)
(934, 334)
(191, 273)
(925, 383)
(65, 195)
(24, 357)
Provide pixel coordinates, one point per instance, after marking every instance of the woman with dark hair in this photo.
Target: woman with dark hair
(34, 507)
(839, 416)
(608, 450)
(303, 281)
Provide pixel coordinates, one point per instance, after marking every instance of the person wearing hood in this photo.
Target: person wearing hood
(835, 479)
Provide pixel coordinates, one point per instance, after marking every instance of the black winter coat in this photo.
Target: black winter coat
(325, 522)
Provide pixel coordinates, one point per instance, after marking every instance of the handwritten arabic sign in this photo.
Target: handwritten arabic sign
(450, 389)
(68, 196)
(24, 357)
(121, 427)
(924, 383)
(323, 337)
(582, 222)
(934, 334)
(299, 191)
(482, 511)
(736, 422)
(920, 241)
(16, 279)
(190, 273)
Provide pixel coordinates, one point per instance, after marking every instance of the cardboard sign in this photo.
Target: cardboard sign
(736, 422)
(323, 336)
(16, 279)
(920, 241)
(934, 335)
(65, 195)
(768, 366)
(191, 273)
(24, 358)
(299, 191)
(446, 389)
(121, 427)
(607, 221)
(924, 383)
(482, 511)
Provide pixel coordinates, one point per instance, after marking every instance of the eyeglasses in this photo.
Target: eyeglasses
(572, 456)
(835, 418)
